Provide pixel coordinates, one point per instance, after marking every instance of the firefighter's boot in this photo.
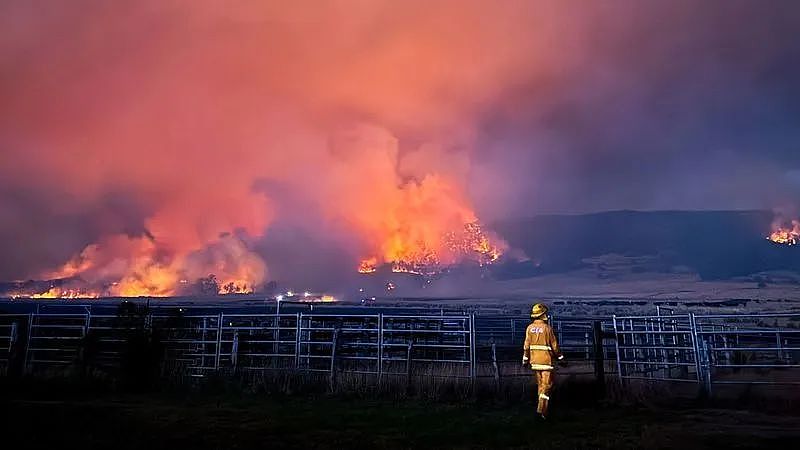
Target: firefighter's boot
(544, 400)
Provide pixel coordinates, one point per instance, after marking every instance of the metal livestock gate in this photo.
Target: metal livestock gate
(708, 350)
(720, 349)
(443, 344)
(749, 348)
(200, 344)
(500, 340)
(659, 348)
(12, 328)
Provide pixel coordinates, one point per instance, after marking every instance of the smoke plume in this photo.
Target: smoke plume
(146, 145)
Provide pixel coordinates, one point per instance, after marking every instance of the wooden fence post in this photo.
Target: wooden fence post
(408, 366)
(495, 367)
(332, 375)
(599, 357)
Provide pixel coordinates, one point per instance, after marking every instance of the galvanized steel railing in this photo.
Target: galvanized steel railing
(706, 349)
(718, 349)
(451, 345)
(370, 344)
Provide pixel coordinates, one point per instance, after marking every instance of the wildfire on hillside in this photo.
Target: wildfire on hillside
(470, 243)
(785, 234)
(121, 266)
(56, 293)
(368, 265)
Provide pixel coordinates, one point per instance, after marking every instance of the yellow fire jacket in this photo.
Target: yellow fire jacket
(541, 346)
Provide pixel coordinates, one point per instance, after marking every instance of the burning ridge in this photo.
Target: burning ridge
(785, 234)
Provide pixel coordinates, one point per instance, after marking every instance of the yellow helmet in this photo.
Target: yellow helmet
(538, 310)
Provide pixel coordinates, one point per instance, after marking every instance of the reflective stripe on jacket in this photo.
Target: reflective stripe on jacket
(541, 346)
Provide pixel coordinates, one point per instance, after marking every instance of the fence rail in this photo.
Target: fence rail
(711, 350)
(384, 345)
(708, 350)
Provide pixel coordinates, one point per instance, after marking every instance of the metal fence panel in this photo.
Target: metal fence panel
(750, 348)
(378, 344)
(709, 349)
(55, 339)
(258, 341)
(656, 348)
(500, 339)
(191, 342)
(12, 333)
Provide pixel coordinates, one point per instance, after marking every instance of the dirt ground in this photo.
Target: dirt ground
(231, 422)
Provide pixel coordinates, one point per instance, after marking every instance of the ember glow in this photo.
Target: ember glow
(57, 293)
(785, 234)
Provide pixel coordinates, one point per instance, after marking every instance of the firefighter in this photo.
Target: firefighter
(539, 351)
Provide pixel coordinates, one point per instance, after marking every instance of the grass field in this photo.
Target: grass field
(151, 421)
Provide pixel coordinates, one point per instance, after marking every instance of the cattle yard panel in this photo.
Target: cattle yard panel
(707, 349)
(716, 349)
(749, 348)
(12, 330)
(260, 341)
(191, 342)
(378, 344)
(55, 339)
(500, 341)
(429, 344)
(338, 342)
(658, 348)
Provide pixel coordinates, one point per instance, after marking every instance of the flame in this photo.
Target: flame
(57, 293)
(406, 267)
(471, 243)
(420, 259)
(474, 241)
(142, 267)
(66, 293)
(410, 210)
(785, 235)
(430, 226)
(368, 265)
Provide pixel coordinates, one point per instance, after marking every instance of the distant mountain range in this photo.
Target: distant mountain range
(715, 244)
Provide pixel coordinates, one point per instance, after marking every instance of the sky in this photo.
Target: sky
(201, 130)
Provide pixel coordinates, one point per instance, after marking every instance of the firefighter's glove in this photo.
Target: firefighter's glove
(562, 362)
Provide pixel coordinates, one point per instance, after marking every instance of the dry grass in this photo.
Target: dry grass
(201, 421)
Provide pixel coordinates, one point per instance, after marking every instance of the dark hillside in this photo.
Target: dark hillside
(717, 244)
